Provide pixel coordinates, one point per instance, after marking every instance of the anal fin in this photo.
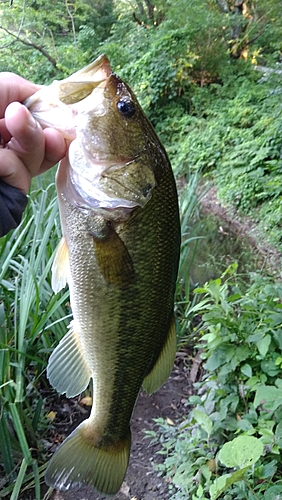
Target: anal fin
(162, 368)
(67, 369)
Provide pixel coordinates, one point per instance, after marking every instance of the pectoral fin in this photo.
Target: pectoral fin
(60, 267)
(113, 258)
(67, 369)
(162, 369)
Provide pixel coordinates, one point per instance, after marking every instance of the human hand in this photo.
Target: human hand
(26, 149)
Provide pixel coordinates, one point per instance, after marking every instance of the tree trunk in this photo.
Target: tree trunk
(223, 5)
(239, 23)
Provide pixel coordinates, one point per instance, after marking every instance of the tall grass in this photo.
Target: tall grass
(185, 301)
(33, 320)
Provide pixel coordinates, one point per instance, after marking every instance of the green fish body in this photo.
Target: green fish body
(119, 255)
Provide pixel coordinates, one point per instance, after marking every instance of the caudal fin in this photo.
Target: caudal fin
(78, 462)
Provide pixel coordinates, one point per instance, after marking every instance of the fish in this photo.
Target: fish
(119, 256)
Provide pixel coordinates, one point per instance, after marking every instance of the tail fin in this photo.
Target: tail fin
(78, 462)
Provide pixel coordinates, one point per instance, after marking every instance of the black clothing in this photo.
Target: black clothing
(12, 205)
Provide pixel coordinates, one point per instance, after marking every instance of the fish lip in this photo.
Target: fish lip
(101, 63)
(67, 97)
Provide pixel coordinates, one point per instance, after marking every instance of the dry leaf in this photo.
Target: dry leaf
(125, 489)
(169, 421)
(51, 415)
(86, 401)
(211, 464)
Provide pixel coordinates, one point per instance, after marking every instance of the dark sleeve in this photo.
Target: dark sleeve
(12, 205)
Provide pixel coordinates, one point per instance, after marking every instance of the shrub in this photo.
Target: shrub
(239, 397)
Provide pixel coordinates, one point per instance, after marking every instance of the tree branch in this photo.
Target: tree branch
(136, 19)
(72, 22)
(29, 43)
(150, 8)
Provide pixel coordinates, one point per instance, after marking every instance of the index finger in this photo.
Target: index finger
(14, 88)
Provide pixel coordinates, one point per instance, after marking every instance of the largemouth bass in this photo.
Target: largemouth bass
(119, 255)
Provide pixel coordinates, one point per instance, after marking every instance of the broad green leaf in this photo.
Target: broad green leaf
(263, 345)
(203, 420)
(274, 492)
(246, 369)
(266, 394)
(223, 482)
(278, 383)
(200, 491)
(268, 470)
(242, 452)
(278, 430)
(268, 366)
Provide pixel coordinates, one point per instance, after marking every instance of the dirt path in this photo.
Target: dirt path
(141, 482)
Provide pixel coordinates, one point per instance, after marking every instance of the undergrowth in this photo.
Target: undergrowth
(32, 319)
(231, 133)
(230, 444)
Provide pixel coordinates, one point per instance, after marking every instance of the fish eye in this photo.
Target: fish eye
(126, 108)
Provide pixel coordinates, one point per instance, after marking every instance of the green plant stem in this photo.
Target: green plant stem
(250, 488)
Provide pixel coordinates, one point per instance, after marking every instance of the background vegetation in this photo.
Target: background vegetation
(208, 74)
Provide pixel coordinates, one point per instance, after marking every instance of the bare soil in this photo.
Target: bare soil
(141, 481)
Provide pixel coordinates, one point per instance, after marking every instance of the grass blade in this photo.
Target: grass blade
(20, 433)
(19, 481)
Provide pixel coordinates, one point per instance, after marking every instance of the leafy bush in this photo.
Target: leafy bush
(240, 395)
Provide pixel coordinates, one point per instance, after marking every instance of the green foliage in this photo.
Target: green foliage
(233, 134)
(239, 399)
(159, 72)
(41, 42)
(31, 319)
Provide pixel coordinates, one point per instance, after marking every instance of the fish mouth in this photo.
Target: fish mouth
(57, 105)
(81, 84)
